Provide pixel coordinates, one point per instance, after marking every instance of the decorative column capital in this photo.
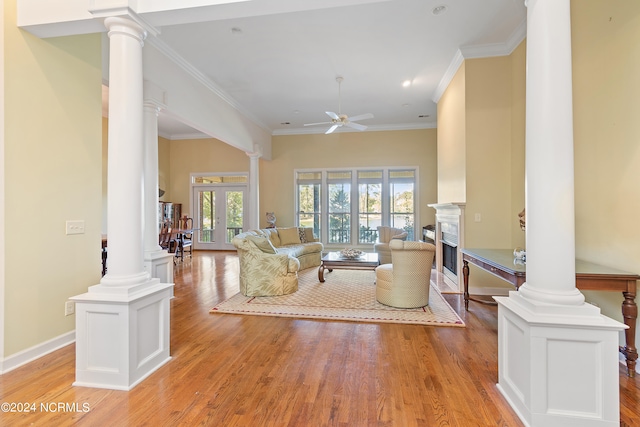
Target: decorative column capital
(151, 107)
(125, 27)
(256, 153)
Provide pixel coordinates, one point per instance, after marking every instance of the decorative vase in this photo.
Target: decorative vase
(271, 220)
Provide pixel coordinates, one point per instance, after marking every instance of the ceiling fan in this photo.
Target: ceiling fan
(338, 120)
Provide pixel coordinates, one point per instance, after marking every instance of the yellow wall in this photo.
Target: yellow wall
(53, 169)
(481, 119)
(606, 85)
(199, 156)
(451, 141)
(349, 149)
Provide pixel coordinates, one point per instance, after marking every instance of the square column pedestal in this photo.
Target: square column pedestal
(558, 365)
(159, 264)
(121, 338)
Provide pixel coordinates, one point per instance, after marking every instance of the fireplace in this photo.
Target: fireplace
(449, 243)
(449, 240)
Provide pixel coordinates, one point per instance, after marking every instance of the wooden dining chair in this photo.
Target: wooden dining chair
(164, 238)
(185, 240)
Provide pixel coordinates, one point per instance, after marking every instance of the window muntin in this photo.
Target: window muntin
(309, 190)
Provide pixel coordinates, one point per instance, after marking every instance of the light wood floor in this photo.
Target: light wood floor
(233, 370)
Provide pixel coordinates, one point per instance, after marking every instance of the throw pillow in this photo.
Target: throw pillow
(303, 235)
(401, 236)
(289, 236)
(263, 244)
(309, 234)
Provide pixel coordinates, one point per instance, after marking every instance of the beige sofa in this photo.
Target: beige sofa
(270, 259)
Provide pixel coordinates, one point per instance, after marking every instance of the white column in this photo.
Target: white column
(151, 195)
(557, 355)
(122, 324)
(157, 262)
(126, 149)
(550, 231)
(254, 187)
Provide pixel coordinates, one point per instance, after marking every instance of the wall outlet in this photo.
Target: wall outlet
(75, 227)
(69, 308)
(477, 217)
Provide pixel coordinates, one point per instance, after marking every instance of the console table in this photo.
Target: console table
(589, 276)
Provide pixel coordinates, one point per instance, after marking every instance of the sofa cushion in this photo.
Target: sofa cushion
(263, 243)
(289, 236)
(272, 233)
(301, 249)
(308, 232)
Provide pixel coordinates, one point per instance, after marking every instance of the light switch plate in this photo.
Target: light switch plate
(75, 227)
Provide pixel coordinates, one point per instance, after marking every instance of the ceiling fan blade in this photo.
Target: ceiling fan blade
(361, 117)
(331, 129)
(357, 126)
(333, 115)
(319, 123)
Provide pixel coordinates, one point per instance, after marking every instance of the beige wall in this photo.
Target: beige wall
(53, 169)
(606, 85)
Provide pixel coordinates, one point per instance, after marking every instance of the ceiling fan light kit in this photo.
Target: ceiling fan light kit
(339, 120)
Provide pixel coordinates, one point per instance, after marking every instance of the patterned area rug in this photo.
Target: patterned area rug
(345, 295)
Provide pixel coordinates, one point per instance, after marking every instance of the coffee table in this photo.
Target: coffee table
(333, 260)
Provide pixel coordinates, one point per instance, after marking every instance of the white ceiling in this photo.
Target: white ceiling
(280, 69)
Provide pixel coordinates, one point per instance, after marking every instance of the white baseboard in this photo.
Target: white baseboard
(499, 292)
(25, 356)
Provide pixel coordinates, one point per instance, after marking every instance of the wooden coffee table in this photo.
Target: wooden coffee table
(333, 260)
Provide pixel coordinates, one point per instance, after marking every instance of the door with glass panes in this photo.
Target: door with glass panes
(219, 215)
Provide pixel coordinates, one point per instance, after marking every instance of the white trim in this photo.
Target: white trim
(207, 82)
(373, 128)
(37, 351)
(479, 51)
(2, 186)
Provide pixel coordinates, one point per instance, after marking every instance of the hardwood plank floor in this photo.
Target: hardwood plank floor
(231, 370)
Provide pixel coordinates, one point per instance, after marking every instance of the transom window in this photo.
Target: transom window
(346, 206)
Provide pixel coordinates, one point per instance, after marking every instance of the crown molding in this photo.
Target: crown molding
(480, 51)
(207, 82)
(375, 128)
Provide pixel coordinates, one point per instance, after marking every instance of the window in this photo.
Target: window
(309, 186)
(345, 207)
(401, 186)
(369, 205)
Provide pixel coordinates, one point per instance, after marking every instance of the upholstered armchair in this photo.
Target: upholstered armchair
(263, 272)
(385, 234)
(405, 283)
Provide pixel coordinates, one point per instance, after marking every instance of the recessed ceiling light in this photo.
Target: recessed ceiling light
(406, 105)
(236, 31)
(439, 10)
(285, 123)
(406, 83)
(423, 116)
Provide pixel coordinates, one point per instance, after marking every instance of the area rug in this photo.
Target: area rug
(348, 295)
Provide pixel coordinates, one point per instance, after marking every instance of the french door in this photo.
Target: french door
(219, 214)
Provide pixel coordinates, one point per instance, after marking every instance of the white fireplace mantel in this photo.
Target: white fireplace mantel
(450, 213)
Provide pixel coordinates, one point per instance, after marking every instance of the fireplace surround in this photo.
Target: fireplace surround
(449, 237)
